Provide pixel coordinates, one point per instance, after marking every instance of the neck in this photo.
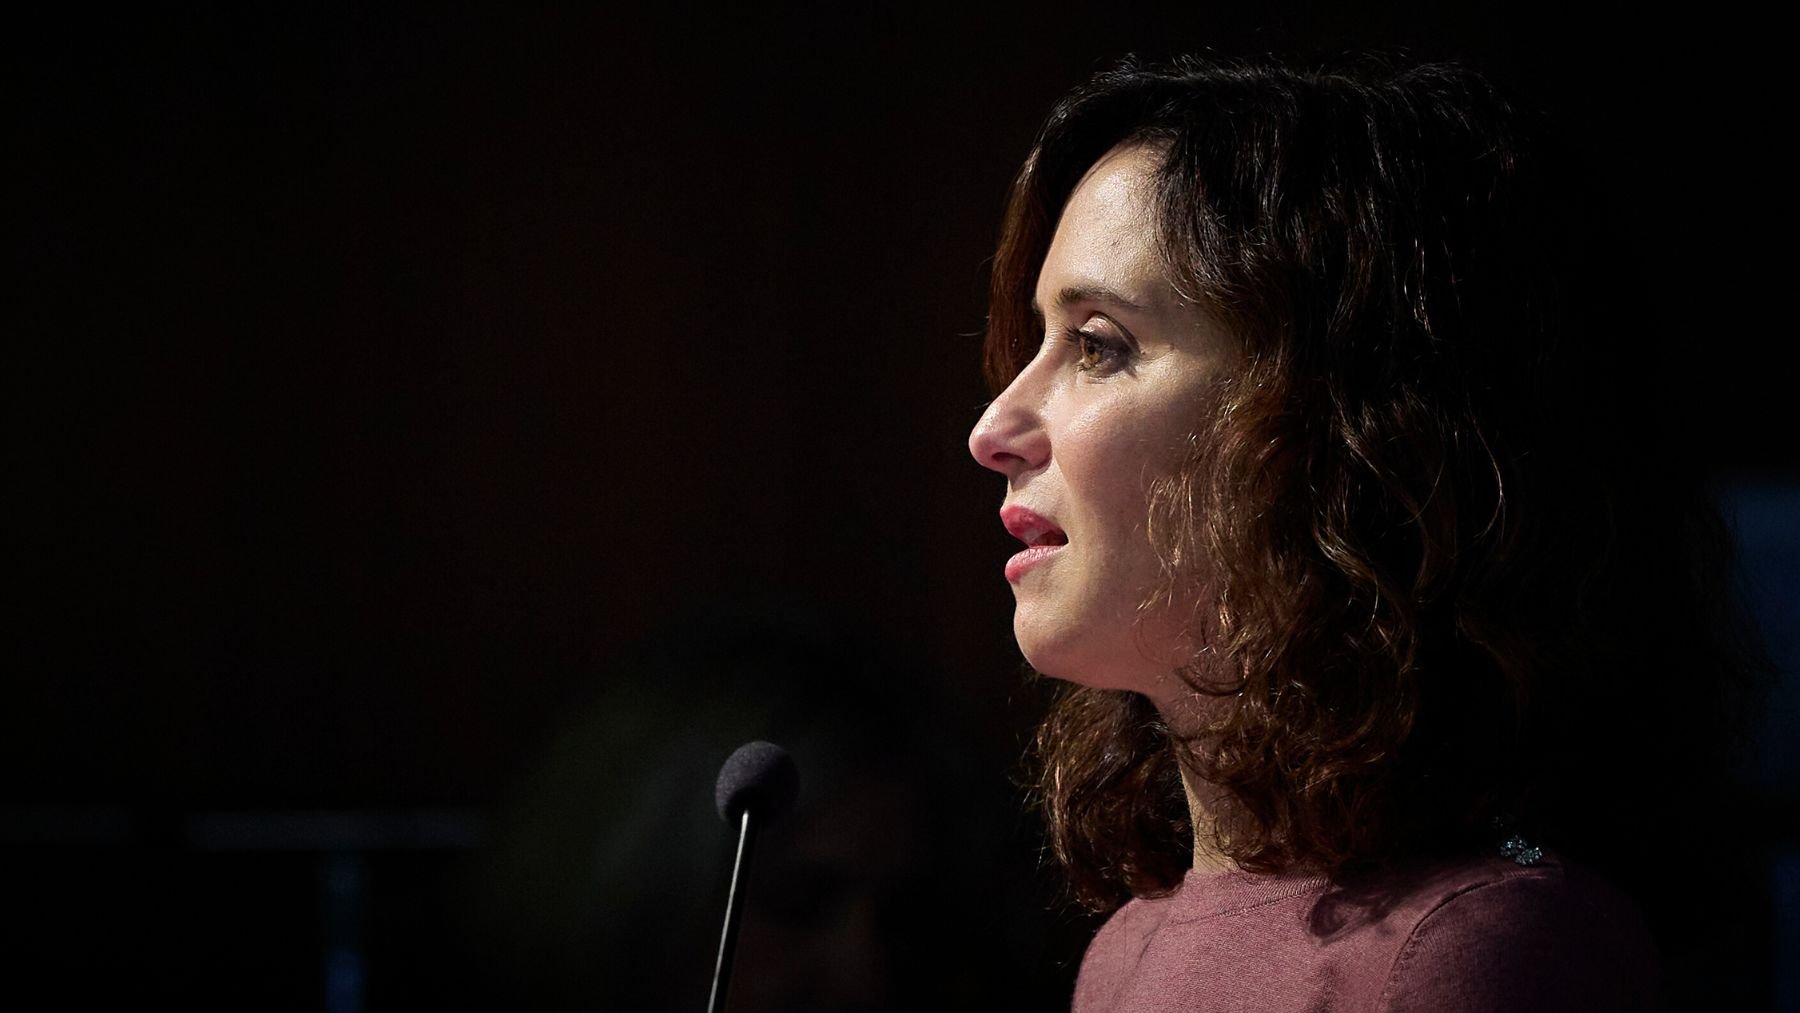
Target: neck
(1202, 800)
(1182, 711)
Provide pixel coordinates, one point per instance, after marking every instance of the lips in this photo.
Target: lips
(1030, 527)
(1043, 540)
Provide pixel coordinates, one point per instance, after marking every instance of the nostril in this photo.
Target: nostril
(989, 447)
(1008, 438)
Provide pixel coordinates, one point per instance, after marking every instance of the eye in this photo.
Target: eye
(1097, 353)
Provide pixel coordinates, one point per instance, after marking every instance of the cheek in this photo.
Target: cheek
(1109, 467)
(1116, 453)
(1103, 457)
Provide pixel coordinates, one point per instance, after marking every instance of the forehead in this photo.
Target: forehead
(1106, 237)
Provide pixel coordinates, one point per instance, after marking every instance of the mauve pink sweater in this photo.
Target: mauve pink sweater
(1480, 934)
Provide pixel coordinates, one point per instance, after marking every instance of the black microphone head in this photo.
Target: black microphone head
(759, 776)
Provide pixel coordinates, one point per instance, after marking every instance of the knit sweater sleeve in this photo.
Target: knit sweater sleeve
(1526, 942)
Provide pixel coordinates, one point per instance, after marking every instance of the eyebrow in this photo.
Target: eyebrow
(1086, 293)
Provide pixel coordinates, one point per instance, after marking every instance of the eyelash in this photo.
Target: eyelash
(1110, 354)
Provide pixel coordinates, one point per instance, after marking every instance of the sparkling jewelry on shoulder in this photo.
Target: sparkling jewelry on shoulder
(1516, 847)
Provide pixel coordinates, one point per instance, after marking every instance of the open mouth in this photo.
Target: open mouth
(1031, 527)
(1040, 545)
(1042, 539)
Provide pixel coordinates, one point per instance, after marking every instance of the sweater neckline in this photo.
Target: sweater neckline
(1210, 893)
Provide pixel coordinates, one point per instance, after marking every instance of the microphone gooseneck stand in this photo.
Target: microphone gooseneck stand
(734, 913)
(758, 783)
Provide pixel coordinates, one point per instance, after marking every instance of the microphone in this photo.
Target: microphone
(758, 783)
(759, 777)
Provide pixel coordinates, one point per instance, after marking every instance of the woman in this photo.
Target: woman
(1392, 646)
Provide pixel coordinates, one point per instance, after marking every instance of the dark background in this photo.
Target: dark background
(406, 414)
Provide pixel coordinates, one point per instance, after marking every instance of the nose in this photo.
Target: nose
(1010, 436)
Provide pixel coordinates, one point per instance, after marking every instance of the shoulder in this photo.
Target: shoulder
(1114, 956)
(1123, 936)
(1498, 936)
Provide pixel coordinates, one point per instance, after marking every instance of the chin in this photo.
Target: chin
(1086, 661)
(1070, 666)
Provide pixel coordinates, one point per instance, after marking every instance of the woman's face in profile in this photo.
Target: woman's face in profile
(1105, 406)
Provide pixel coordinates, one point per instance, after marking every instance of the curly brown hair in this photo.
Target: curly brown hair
(1451, 579)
